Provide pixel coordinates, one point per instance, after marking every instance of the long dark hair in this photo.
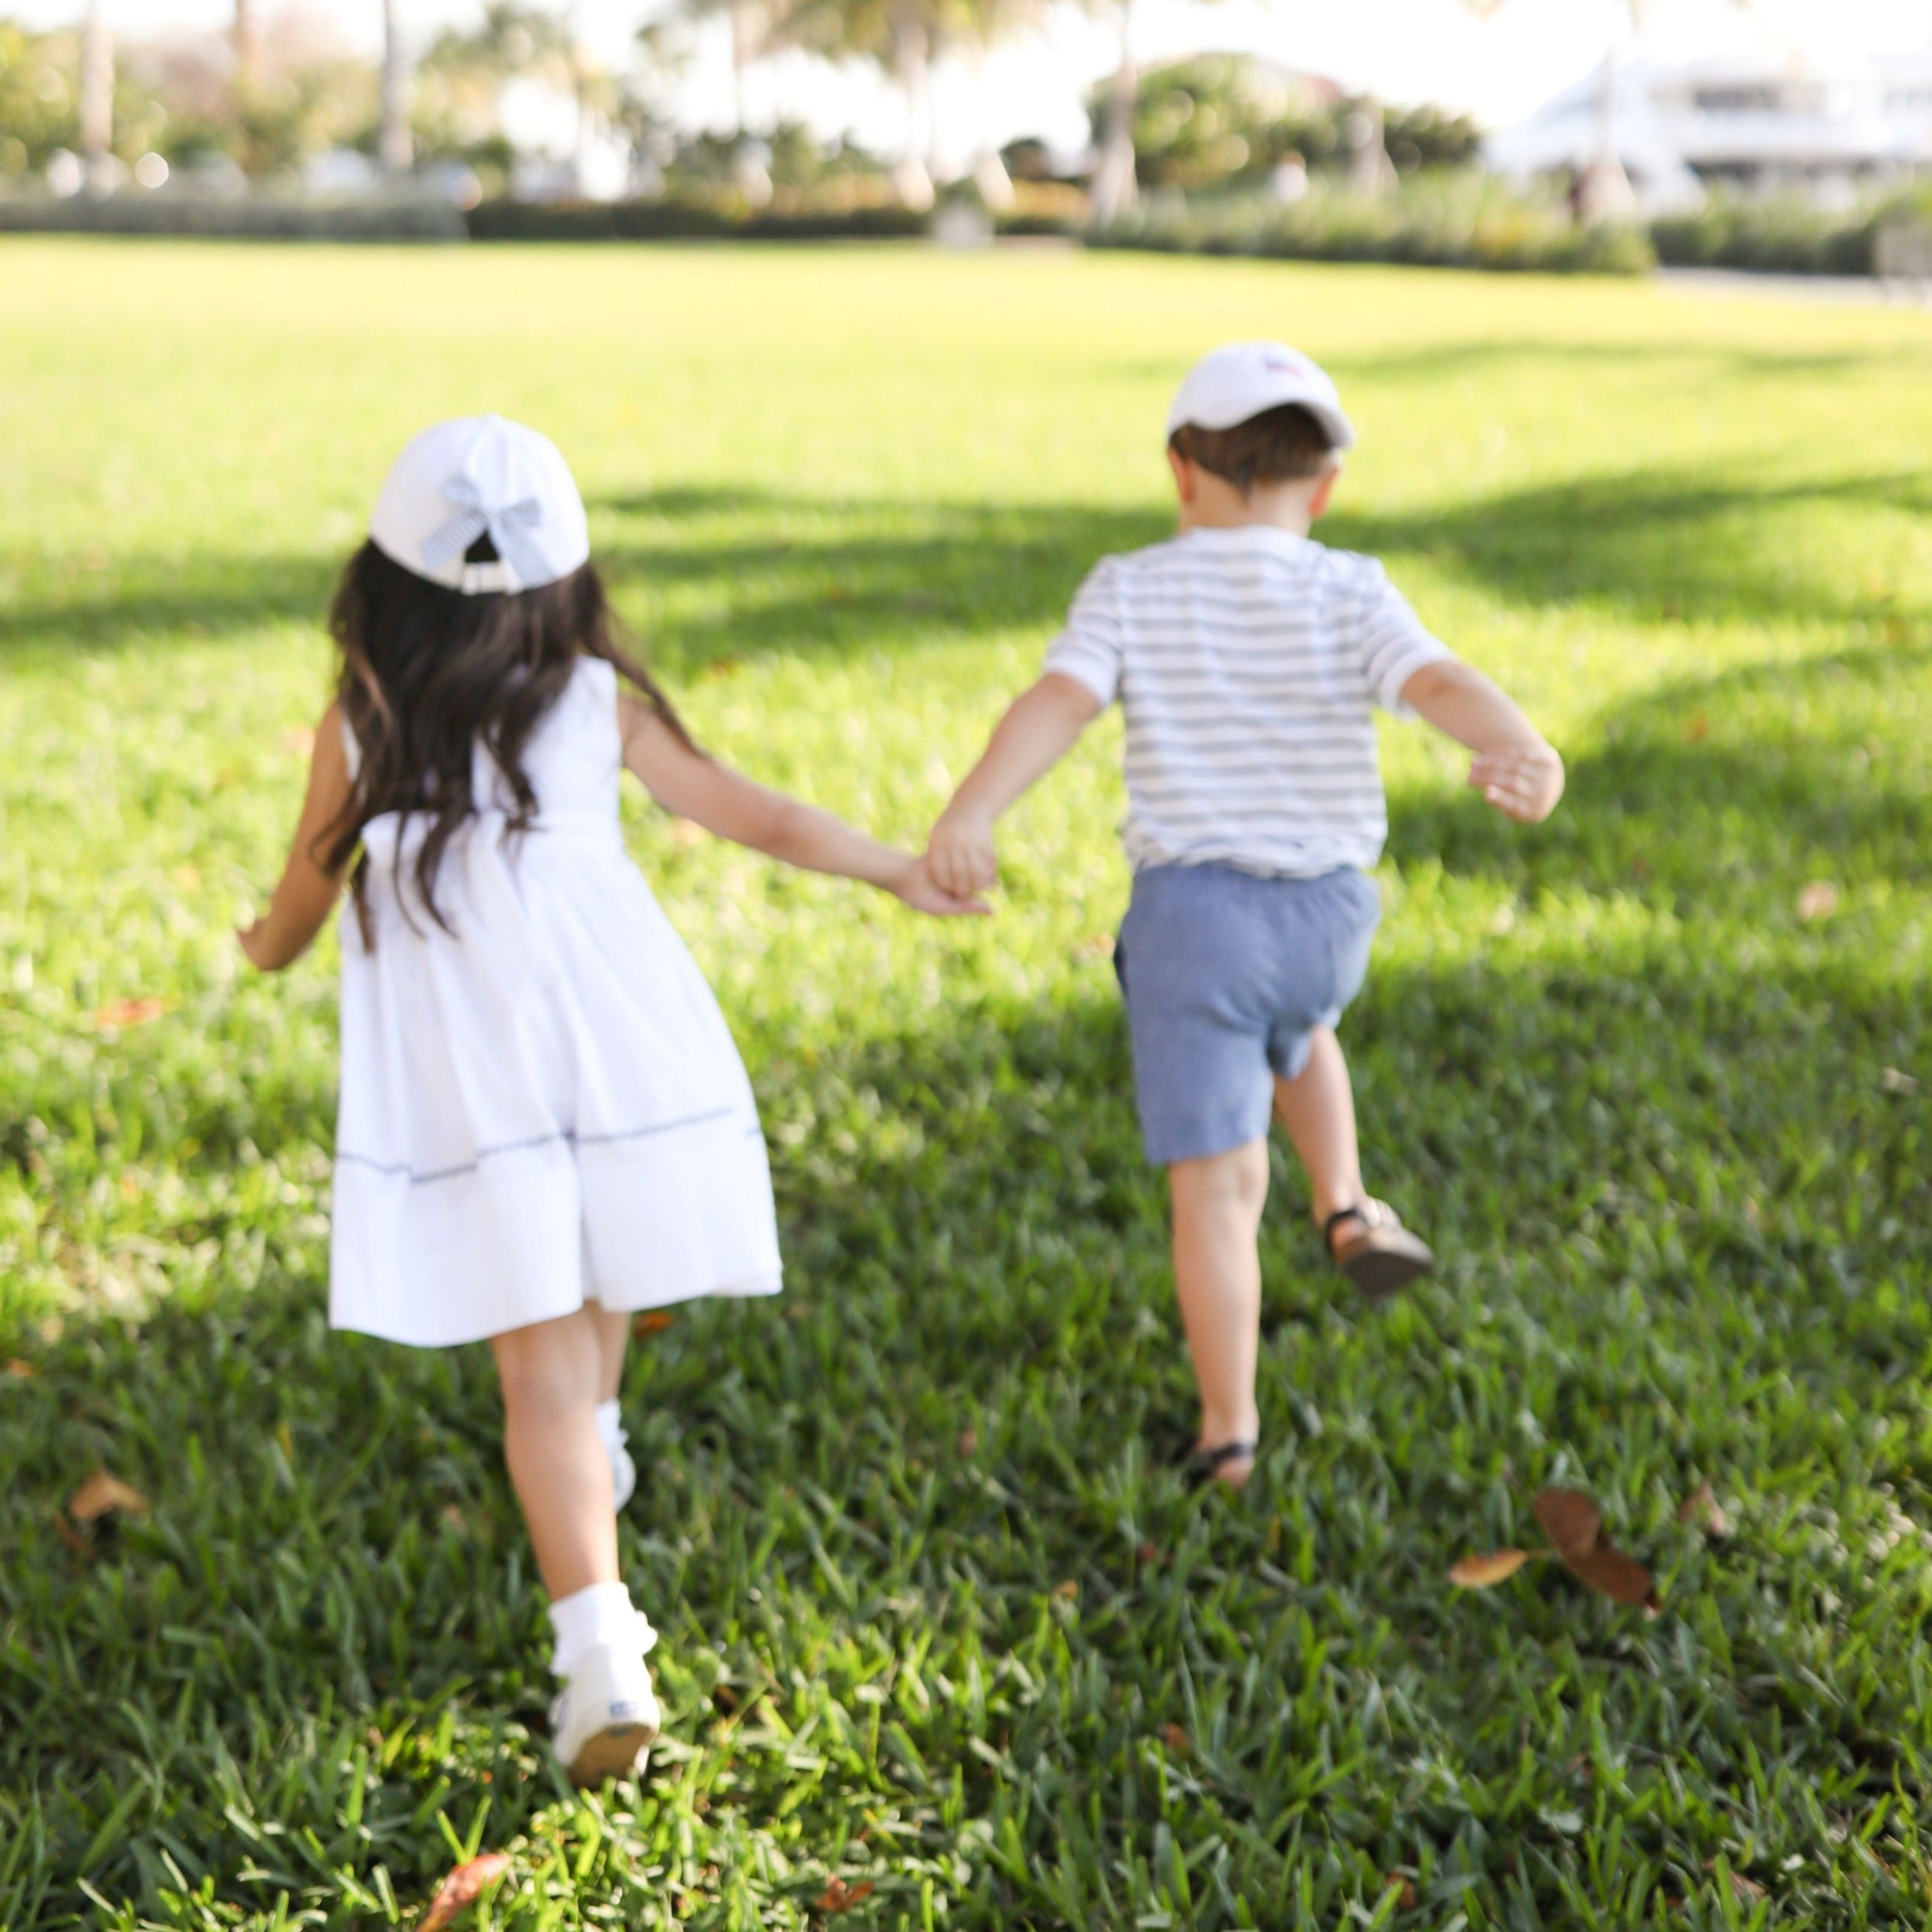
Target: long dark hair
(426, 671)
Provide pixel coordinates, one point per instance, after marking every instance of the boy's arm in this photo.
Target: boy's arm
(1039, 729)
(685, 781)
(1515, 768)
(306, 894)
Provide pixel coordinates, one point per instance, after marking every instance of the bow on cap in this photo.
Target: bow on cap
(478, 476)
(512, 528)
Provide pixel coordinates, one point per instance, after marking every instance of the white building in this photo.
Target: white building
(1754, 125)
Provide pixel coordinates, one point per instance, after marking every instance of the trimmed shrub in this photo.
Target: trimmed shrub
(683, 221)
(256, 219)
(1447, 221)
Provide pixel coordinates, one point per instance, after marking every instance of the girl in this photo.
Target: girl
(544, 1125)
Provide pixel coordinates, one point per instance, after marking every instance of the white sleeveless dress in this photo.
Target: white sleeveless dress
(546, 1107)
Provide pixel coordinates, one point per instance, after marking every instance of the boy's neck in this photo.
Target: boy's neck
(1218, 505)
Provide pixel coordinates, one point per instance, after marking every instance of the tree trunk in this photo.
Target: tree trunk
(246, 38)
(745, 37)
(1116, 188)
(911, 56)
(96, 101)
(1370, 170)
(395, 147)
(1606, 193)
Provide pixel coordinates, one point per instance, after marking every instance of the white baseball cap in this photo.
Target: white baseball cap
(1241, 379)
(475, 474)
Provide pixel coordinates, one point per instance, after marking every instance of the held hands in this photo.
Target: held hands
(959, 852)
(1523, 785)
(917, 888)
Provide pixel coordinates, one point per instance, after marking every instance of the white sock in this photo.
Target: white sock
(610, 1427)
(586, 1619)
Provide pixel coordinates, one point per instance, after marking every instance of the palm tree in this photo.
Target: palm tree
(395, 147)
(245, 36)
(96, 103)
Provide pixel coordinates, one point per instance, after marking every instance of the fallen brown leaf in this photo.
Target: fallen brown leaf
(653, 1321)
(1570, 1520)
(1749, 1890)
(462, 1888)
(21, 1371)
(839, 1896)
(969, 1442)
(1819, 900)
(1485, 1572)
(1575, 1526)
(1146, 1553)
(131, 1012)
(1404, 1888)
(100, 1492)
(1702, 1507)
(1620, 1578)
(1068, 1590)
(1176, 1740)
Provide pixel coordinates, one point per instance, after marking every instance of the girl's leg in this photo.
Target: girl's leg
(1218, 1206)
(1318, 1109)
(613, 1338)
(552, 1373)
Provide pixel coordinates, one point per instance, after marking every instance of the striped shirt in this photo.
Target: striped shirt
(1248, 663)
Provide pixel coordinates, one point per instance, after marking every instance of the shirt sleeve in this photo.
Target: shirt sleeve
(1088, 649)
(1394, 642)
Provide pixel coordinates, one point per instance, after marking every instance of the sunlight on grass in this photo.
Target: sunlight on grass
(936, 1619)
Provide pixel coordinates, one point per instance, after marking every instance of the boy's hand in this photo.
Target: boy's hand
(959, 853)
(1523, 785)
(257, 947)
(920, 889)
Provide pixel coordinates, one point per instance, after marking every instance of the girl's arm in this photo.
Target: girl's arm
(1515, 768)
(307, 894)
(1039, 729)
(694, 786)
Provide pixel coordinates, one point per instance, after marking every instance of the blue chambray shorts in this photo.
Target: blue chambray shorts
(1226, 974)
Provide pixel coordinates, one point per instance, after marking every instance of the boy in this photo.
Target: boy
(1247, 659)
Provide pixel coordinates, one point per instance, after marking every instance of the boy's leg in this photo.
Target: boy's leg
(1318, 1109)
(1217, 1204)
(552, 1374)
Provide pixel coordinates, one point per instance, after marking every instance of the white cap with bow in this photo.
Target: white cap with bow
(477, 475)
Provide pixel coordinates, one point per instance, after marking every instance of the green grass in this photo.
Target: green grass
(935, 1618)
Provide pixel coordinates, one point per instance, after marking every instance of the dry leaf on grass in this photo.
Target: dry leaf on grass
(1484, 1572)
(1403, 1887)
(131, 1012)
(101, 1493)
(839, 1896)
(1819, 900)
(1068, 1590)
(462, 1888)
(653, 1321)
(1702, 1507)
(969, 1442)
(1575, 1526)
(1570, 1520)
(1749, 1890)
(1176, 1740)
(21, 1371)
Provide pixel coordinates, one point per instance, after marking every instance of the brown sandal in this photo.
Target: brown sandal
(1383, 1256)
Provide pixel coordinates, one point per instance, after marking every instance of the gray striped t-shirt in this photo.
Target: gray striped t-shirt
(1248, 663)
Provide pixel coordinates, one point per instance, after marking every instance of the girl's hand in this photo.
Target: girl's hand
(1524, 785)
(920, 889)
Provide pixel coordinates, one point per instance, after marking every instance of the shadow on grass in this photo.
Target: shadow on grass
(1725, 793)
(1655, 1271)
(719, 573)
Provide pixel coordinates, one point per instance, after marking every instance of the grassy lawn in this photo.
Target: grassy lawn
(938, 1620)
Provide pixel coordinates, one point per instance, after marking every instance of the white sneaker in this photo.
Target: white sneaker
(606, 1715)
(624, 1475)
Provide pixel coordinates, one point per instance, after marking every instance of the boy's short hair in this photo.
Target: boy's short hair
(1283, 444)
